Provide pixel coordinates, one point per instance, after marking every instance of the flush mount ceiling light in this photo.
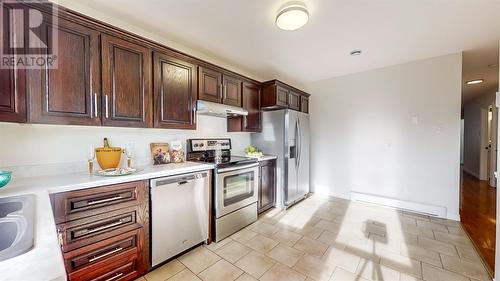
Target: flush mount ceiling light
(355, 53)
(292, 16)
(473, 82)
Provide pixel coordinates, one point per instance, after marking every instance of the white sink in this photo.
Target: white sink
(16, 225)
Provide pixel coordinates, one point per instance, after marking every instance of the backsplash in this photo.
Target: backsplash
(37, 150)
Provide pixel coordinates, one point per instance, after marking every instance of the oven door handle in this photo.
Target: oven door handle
(242, 167)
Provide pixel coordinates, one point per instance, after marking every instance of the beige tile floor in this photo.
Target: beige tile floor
(326, 238)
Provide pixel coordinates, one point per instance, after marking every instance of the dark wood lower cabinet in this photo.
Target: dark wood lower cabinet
(267, 185)
(104, 231)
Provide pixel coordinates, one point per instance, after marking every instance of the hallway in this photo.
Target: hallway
(478, 213)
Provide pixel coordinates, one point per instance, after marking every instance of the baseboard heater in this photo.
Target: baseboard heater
(403, 205)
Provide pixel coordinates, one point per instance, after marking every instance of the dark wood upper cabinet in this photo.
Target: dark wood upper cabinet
(294, 101)
(304, 104)
(126, 79)
(251, 102)
(274, 96)
(282, 95)
(105, 77)
(278, 95)
(174, 93)
(231, 91)
(209, 85)
(267, 185)
(69, 93)
(12, 80)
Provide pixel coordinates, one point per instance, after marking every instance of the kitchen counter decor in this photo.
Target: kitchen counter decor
(116, 172)
(160, 153)
(5, 177)
(108, 157)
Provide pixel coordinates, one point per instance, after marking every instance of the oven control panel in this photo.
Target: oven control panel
(209, 144)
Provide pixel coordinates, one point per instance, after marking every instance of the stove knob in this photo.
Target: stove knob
(195, 145)
(201, 145)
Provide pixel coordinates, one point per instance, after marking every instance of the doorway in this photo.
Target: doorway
(480, 118)
(488, 161)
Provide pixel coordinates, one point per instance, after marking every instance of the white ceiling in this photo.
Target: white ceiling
(388, 31)
(479, 64)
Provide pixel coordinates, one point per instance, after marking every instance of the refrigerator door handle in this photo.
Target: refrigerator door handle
(299, 143)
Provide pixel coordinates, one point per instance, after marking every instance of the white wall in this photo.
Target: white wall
(472, 132)
(391, 132)
(33, 149)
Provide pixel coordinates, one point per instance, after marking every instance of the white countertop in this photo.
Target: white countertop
(264, 157)
(267, 157)
(44, 261)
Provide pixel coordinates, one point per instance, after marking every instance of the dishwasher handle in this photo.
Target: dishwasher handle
(180, 180)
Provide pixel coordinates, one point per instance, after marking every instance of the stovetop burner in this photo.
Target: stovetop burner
(203, 150)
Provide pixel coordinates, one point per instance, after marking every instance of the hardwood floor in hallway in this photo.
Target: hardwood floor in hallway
(478, 215)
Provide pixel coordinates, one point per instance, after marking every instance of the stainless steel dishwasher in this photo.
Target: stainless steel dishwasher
(179, 214)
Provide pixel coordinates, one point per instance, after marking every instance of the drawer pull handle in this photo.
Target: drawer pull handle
(116, 250)
(95, 202)
(115, 277)
(105, 226)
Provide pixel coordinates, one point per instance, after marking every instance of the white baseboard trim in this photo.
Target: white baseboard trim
(327, 192)
(426, 209)
(470, 172)
(454, 217)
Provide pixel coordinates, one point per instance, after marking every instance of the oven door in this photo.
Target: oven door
(237, 187)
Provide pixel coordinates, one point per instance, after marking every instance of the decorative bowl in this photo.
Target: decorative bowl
(5, 177)
(108, 157)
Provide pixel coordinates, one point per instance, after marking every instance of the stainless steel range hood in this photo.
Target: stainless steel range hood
(219, 110)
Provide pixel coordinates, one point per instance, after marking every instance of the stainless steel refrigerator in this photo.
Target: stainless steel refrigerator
(285, 133)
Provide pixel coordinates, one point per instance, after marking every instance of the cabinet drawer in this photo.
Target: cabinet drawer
(86, 231)
(101, 251)
(124, 272)
(121, 267)
(88, 202)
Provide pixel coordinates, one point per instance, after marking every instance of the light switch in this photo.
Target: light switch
(414, 120)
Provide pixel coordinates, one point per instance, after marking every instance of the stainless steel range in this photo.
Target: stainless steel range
(235, 183)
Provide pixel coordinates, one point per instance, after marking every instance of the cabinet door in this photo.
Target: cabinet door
(294, 101)
(304, 104)
(69, 93)
(282, 96)
(174, 93)
(209, 85)
(267, 185)
(12, 80)
(126, 78)
(251, 102)
(232, 91)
